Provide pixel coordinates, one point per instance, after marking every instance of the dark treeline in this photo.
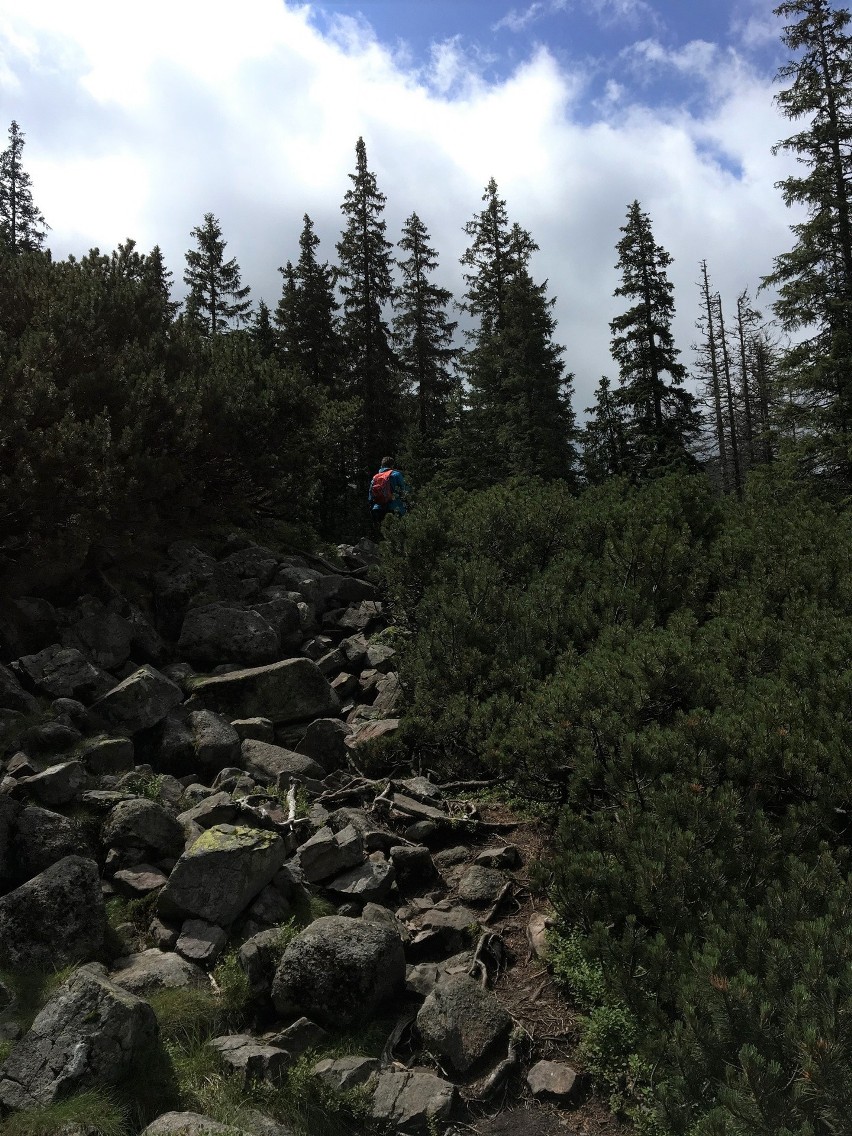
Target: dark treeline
(643, 622)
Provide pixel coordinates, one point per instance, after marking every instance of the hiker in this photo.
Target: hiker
(387, 492)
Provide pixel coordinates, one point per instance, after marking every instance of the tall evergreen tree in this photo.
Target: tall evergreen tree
(423, 334)
(22, 227)
(367, 289)
(814, 279)
(661, 415)
(707, 368)
(216, 295)
(520, 416)
(306, 316)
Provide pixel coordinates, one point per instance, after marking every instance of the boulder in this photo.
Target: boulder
(344, 1073)
(12, 694)
(269, 763)
(253, 1060)
(103, 754)
(325, 741)
(214, 740)
(221, 873)
(328, 854)
(64, 672)
(462, 1022)
(480, 885)
(413, 1100)
(56, 785)
(338, 970)
(367, 882)
(195, 1124)
(147, 971)
(91, 1033)
(370, 731)
(139, 881)
(300, 1036)
(147, 825)
(43, 838)
(140, 701)
(290, 691)
(27, 624)
(201, 942)
(31, 935)
(259, 957)
(218, 633)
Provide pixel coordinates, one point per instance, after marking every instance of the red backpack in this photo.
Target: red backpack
(380, 488)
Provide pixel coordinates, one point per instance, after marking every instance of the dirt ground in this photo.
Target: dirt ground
(528, 992)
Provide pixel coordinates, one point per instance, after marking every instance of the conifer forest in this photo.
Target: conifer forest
(636, 616)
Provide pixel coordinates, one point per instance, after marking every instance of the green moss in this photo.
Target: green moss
(215, 840)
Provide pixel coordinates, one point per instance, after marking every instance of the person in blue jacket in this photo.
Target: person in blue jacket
(387, 492)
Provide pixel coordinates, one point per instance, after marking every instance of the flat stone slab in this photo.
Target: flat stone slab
(290, 691)
(413, 1100)
(552, 1080)
(344, 1073)
(151, 970)
(256, 1061)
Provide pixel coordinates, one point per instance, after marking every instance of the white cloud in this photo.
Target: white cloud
(142, 117)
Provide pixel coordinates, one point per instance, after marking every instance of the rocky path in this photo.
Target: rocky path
(197, 747)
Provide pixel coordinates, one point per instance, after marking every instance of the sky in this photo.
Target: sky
(141, 117)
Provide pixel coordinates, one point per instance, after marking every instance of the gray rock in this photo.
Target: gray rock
(370, 731)
(367, 882)
(255, 1061)
(380, 657)
(106, 755)
(221, 873)
(267, 763)
(195, 1124)
(462, 1022)
(270, 908)
(64, 672)
(214, 740)
(413, 1100)
(328, 854)
(502, 856)
(43, 838)
(300, 1036)
(480, 885)
(147, 971)
(216, 808)
(201, 942)
(414, 867)
(259, 728)
(325, 741)
(51, 738)
(56, 785)
(31, 935)
(538, 927)
(339, 970)
(290, 691)
(218, 633)
(361, 616)
(139, 880)
(12, 694)
(343, 1073)
(141, 823)
(140, 701)
(552, 1080)
(259, 957)
(443, 932)
(92, 1032)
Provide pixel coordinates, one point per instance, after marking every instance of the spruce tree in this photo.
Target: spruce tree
(814, 279)
(423, 335)
(22, 227)
(603, 442)
(216, 295)
(367, 289)
(520, 419)
(306, 316)
(661, 416)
